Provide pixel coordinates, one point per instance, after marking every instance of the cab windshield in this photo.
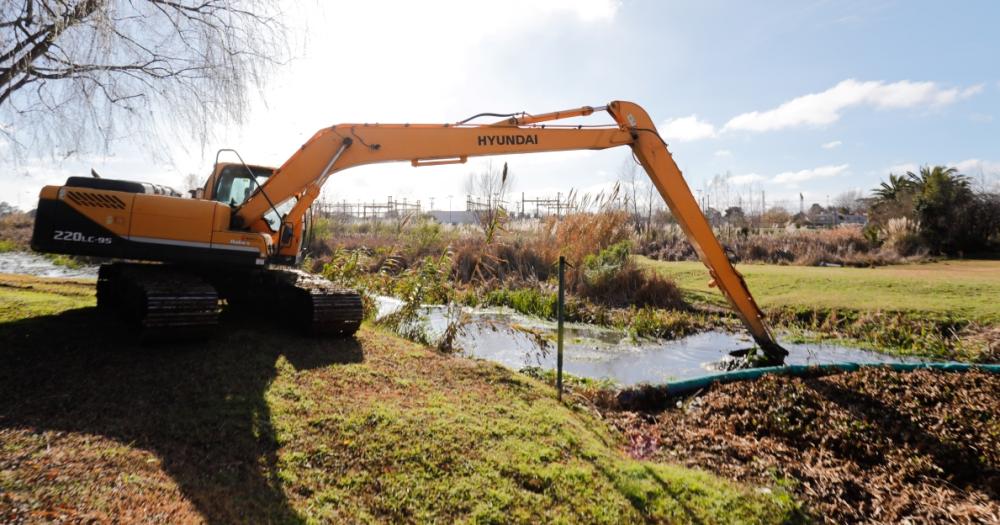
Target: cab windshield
(235, 186)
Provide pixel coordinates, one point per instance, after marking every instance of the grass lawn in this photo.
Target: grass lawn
(23, 296)
(259, 425)
(959, 288)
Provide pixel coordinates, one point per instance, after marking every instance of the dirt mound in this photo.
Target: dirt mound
(875, 446)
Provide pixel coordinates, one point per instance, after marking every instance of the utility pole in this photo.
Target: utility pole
(450, 220)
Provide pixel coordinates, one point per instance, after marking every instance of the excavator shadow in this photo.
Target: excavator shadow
(200, 407)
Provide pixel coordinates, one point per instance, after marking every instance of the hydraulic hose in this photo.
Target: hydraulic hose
(655, 397)
(689, 386)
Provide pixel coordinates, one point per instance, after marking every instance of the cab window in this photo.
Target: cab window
(235, 186)
(274, 216)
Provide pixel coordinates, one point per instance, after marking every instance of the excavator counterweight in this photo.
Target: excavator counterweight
(240, 234)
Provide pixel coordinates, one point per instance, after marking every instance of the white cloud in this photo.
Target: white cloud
(973, 167)
(746, 178)
(686, 129)
(818, 109)
(985, 173)
(832, 144)
(821, 172)
(587, 10)
(972, 90)
(723, 153)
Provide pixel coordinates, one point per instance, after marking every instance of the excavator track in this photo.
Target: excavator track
(314, 305)
(160, 301)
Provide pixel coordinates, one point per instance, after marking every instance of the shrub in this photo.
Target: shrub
(902, 236)
(15, 230)
(846, 245)
(528, 301)
(426, 283)
(951, 217)
(649, 322)
(529, 257)
(423, 238)
(322, 230)
(580, 234)
(611, 278)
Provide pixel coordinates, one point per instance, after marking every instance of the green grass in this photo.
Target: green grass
(944, 310)
(964, 289)
(644, 322)
(260, 425)
(22, 297)
(59, 259)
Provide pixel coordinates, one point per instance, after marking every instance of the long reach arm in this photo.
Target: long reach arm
(347, 145)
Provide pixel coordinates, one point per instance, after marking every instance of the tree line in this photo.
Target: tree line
(948, 215)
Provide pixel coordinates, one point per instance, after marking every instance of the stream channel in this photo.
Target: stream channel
(511, 339)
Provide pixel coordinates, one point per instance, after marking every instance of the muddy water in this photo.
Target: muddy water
(591, 351)
(34, 264)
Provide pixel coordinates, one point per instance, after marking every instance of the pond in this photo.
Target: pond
(27, 263)
(510, 338)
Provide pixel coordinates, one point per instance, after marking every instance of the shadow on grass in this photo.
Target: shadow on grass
(200, 407)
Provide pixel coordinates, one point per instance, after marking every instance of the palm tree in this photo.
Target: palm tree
(890, 191)
(937, 177)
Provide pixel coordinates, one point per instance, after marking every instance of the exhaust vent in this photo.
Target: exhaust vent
(95, 200)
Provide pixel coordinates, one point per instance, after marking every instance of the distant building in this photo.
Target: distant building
(453, 217)
(828, 219)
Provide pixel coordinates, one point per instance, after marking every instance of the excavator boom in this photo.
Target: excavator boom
(347, 145)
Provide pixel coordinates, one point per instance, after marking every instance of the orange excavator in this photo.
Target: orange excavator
(240, 237)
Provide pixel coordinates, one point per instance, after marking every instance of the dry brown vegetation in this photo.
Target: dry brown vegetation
(872, 446)
(845, 245)
(514, 258)
(527, 254)
(15, 230)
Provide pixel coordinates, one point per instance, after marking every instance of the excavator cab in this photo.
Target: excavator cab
(233, 184)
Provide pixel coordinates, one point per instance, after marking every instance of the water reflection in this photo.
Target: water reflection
(33, 264)
(591, 351)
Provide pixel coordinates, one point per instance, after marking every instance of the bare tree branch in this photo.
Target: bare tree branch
(151, 67)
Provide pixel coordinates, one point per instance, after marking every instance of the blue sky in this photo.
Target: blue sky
(752, 89)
